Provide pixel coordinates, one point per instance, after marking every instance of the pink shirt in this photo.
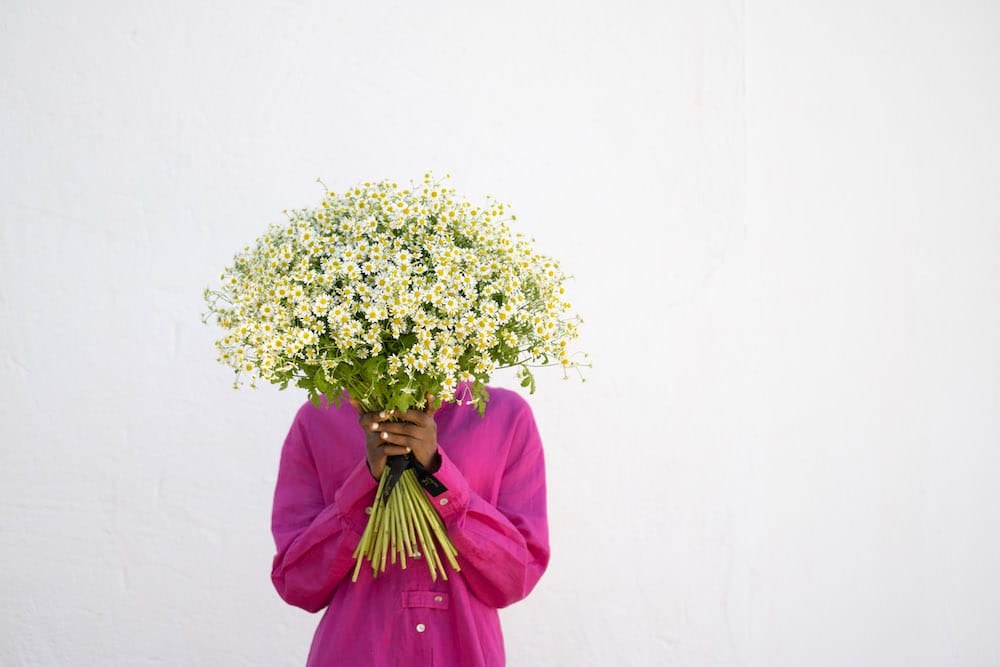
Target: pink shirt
(494, 510)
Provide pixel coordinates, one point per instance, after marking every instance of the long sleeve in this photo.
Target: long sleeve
(494, 511)
(503, 549)
(314, 540)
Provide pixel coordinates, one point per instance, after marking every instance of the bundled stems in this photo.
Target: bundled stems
(399, 525)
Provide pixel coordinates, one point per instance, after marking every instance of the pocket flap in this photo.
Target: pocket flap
(426, 599)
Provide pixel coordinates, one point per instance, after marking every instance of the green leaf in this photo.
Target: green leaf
(527, 378)
(482, 396)
(402, 402)
(320, 379)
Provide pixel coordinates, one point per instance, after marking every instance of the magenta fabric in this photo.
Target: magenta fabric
(494, 510)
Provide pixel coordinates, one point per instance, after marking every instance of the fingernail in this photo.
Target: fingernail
(383, 414)
(385, 436)
(374, 426)
(407, 450)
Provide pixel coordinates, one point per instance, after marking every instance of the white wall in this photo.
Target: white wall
(784, 220)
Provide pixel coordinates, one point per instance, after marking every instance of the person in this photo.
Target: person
(494, 509)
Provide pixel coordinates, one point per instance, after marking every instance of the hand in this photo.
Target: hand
(416, 433)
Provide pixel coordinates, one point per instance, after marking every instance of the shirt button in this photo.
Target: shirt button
(420, 627)
(444, 501)
(438, 598)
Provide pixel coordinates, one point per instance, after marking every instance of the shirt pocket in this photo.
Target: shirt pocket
(425, 600)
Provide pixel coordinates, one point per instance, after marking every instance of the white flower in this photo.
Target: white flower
(437, 288)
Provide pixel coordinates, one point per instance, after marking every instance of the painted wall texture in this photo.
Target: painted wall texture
(784, 223)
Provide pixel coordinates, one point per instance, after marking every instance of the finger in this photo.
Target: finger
(389, 449)
(402, 428)
(432, 405)
(418, 417)
(399, 440)
(370, 420)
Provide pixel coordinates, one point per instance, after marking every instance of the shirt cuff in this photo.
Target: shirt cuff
(455, 500)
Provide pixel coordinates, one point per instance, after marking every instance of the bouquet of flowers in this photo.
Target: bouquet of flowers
(393, 295)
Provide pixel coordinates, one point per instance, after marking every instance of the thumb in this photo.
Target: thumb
(432, 405)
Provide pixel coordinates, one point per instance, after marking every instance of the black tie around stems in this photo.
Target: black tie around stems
(400, 462)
